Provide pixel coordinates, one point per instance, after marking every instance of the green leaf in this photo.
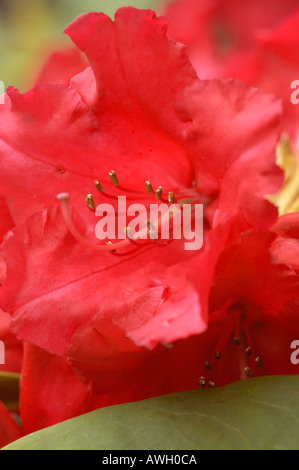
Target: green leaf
(9, 390)
(258, 414)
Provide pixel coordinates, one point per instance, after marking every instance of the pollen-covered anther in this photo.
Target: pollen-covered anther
(158, 193)
(110, 244)
(171, 197)
(258, 361)
(152, 232)
(248, 351)
(98, 185)
(149, 188)
(248, 372)
(202, 382)
(212, 384)
(217, 355)
(208, 365)
(90, 202)
(236, 340)
(113, 178)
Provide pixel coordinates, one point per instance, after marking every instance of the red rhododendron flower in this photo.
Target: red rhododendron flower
(107, 320)
(82, 135)
(256, 42)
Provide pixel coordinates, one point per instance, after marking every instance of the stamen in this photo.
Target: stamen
(63, 199)
(151, 230)
(98, 186)
(221, 344)
(202, 382)
(149, 188)
(158, 193)
(171, 198)
(237, 328)
(90, 202)
(127, 190)
(113, 178)
(258, 361)
(110, 244)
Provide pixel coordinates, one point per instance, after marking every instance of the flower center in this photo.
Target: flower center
(234, 354)
(174, 204)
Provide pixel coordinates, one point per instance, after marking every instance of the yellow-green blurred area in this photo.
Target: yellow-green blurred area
(31, 29)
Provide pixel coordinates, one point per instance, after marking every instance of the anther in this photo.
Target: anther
(212, 384)
(149, 188)
(98, 186)
(171, 198)
(248, 351)
(258, 361)
(90, 202)
(158, 193)
(248, 372)
(217, 355)
(202, 382)
(110, 244)
(236, 340)
(208, 365)
(113, 178)
(151, 230)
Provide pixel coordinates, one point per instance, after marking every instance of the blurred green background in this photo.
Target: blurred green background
(31, 29)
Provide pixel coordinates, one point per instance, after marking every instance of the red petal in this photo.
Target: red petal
(286, 245)
(61, 66)
(136, 37)
(240, 163)
(108, 362)
(51, 392)
(248, 271)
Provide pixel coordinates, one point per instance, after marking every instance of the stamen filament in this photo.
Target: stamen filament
(63, 199)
